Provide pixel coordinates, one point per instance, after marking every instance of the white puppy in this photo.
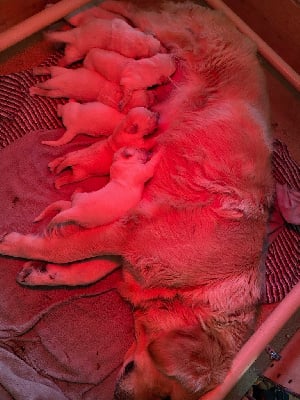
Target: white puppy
(93, 119)
(130, 170)
(78, 84)
(115, 35)
(131, 74)
(96, 159)
(86, 85)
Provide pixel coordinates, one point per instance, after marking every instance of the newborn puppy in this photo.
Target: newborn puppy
(107, 63)
(147, 72)
(115, 35)
(130, 170)
(93, 119)
(86, 85)
(131, 74)
(95, 160)
(78, 84)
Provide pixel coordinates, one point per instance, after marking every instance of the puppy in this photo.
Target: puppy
(86, 85)
(134, 76)
(130, 170)
(78, 84)
(96, 159)
(192, 247)
(115, 35)
(131, 74)
(93, 119)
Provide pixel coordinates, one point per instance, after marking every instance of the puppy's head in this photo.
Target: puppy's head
(141, 121)
(132, 155)
(178, 365)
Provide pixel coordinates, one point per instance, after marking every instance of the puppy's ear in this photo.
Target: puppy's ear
(196, 358)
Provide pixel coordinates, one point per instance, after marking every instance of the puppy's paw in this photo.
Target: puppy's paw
(55, 207)
(35, 273)
(67, 161)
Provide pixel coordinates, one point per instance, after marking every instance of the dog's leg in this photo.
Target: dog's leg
(62, 247)
(36, 273)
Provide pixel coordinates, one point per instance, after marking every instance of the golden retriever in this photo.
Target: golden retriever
(192, 247)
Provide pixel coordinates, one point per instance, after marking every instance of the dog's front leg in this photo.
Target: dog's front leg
(37, 273)
(64, 247)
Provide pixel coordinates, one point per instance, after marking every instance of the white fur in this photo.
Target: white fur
(129, 171)
(96, 159)
(93, 119)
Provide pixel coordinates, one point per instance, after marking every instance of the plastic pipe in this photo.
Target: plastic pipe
(285, 69)
(257, 343)
(38, 21)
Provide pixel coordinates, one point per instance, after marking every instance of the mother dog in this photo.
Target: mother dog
(191, 249)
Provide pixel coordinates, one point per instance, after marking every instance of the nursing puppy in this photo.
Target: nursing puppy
(130, 170)
(192, 247)
(78, 84)
(115, 35)
(131, 74)
(93, 119)
(84, 85)
(96, 159)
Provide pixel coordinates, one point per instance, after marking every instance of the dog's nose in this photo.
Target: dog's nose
(128, 368)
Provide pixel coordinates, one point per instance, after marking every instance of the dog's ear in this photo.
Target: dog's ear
(198, 359)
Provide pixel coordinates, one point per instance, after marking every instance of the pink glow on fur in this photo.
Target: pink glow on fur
(192, 241)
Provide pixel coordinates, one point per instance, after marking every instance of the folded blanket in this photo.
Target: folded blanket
(54, 343)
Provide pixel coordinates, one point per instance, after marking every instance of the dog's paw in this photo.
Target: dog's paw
(35, 273)
(9, 243)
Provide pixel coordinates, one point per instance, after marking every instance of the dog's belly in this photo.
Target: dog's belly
(189, 249)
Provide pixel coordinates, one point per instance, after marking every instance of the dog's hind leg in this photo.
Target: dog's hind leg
(37, 273)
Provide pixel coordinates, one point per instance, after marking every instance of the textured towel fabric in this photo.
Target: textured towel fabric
(68, 343)
(62, 343)
(283, 258)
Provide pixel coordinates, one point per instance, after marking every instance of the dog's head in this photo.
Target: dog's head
(177, 365)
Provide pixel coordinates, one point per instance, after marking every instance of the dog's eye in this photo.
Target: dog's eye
(166, 398)
(129, 367)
